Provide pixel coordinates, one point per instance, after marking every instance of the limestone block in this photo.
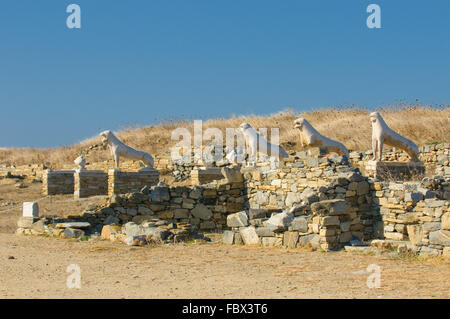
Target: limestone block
(249, 235)
(108, 230)
(239, 219)
(312, 239)
(440, 237)
(415, 233)
(331, 207)
(265, 231)
(30, 209)
(281, 220)
(228, 237)
(446, 221)
(299, 224)
(290, 239)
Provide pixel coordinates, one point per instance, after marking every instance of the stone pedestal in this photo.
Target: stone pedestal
(57, 182)
(130, 182)
(30, 209)
(90, 183)
(394, 170)
(207, 175)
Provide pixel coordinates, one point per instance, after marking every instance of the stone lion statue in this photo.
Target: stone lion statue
(381, 133)
(119, 149)
(255, 141)
(309, 136)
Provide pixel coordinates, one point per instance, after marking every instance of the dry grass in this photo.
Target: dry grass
(349, 125)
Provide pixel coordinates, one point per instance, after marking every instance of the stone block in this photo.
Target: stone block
(228, 237)
(299, 224)
(239, 219)
(446, 221)
(440, 237)
(265, 231)
(108, 230)
(331, 207)
(415, 233)
(290, 239)
(249, 235)
(30, 209)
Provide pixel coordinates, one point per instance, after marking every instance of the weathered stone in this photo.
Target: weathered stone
(413, 197)
(440, 237)
(239, 219)
(111, 220)
(312, 239)
(26, 222)
(160, 194)
(180, 213)
(39, 226)
(446, 221)
(331, 207)
(108, 230)
(136, 240)
(330, 221)
(249, 235)
(290, 239)
(30, 209)
(299, 224)
(207, 224)
(431, 226)
(73, 225)
(281, 220)
(265, 231)
(228, 237)
(73, 233)
(415, 233)
(202, 212)
(427, 251)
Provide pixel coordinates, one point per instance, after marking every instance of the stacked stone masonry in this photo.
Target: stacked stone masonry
(90, 183)
(120, 182)
(58, 182)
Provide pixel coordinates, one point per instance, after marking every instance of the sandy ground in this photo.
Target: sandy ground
(36, 267)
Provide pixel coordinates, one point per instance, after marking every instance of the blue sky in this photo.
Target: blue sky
(135, 62)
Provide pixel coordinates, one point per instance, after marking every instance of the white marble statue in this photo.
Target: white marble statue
(381, 133)
(80, 161)
(119, 149)
(256, 143)
(309, 136)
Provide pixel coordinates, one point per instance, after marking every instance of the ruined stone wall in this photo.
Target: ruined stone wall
(90, 183)
(331, 224)
(303, 180)
(120, 182)
(415, 211)
(57, 182)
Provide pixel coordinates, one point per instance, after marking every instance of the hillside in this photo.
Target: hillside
(349, 125)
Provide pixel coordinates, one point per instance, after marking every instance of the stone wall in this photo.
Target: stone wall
(90, 183)
(57, 182)
(120, 182)
(32, 171)
(303, 180)
(330, 225)
(415, 211)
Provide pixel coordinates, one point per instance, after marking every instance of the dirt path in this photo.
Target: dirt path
(38, 270)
